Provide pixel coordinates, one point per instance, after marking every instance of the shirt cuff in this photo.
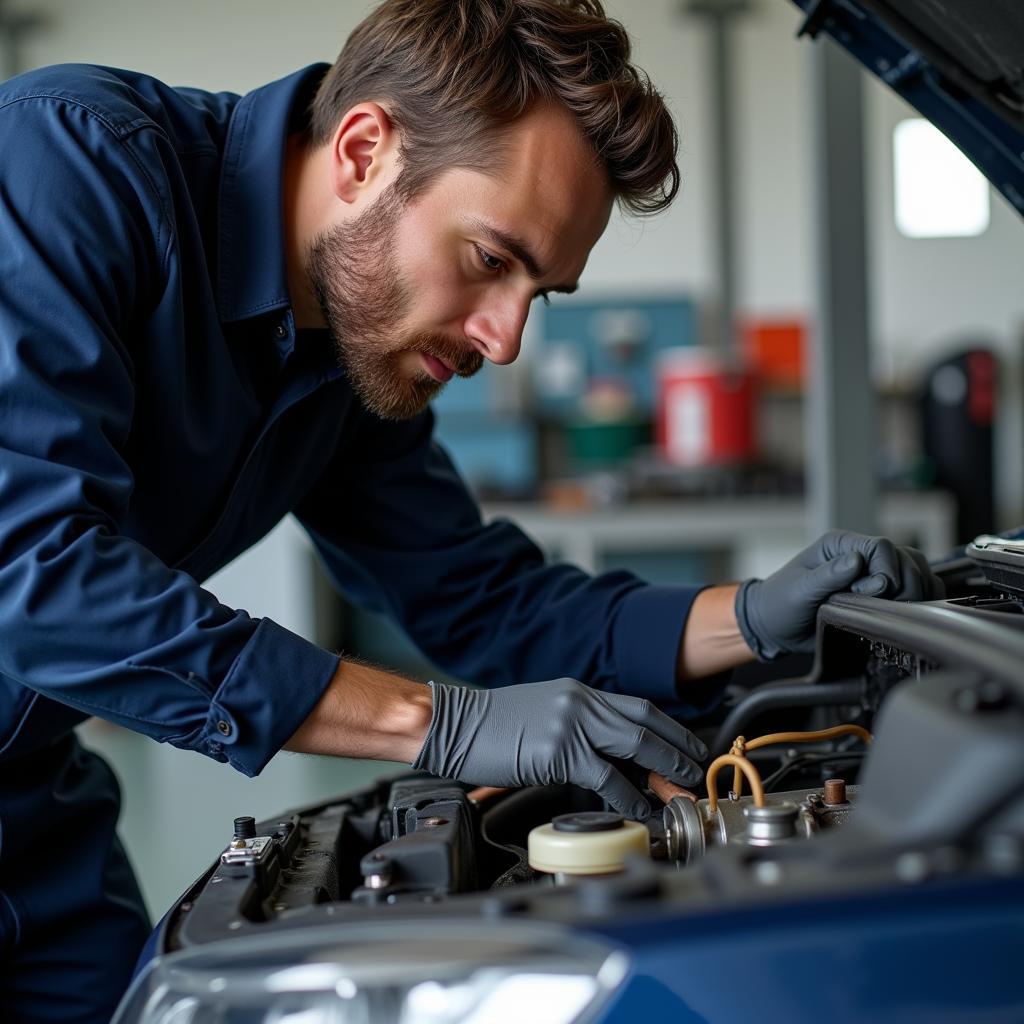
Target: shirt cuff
(269, 692)
(647, 633)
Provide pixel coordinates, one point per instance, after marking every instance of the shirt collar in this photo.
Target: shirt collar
(252, 277)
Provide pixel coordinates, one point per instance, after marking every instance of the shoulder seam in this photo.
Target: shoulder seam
(119, 131)
(121, 134)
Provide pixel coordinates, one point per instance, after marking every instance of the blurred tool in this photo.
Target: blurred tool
(958, 412)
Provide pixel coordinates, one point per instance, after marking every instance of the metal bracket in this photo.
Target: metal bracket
(908, 69)
(248, 851)
(815, 19)
(821, 11)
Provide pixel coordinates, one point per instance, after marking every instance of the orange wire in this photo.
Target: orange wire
(740, 745)
(741, 764)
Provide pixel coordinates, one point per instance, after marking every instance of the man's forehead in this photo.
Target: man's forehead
(548, 226)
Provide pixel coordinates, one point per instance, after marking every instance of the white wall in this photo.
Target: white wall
(230, 44)
(675, 250)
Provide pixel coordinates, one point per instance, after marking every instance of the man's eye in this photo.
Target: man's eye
(490, 261)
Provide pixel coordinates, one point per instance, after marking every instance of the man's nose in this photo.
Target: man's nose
(496, 330)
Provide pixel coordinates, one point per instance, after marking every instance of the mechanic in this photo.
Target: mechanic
(216, 310)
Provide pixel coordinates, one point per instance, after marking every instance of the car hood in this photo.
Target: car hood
(959, 62)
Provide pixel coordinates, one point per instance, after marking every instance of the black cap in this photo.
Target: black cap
(588, 821)
(245, 828)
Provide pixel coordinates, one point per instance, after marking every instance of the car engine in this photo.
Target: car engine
(889, 776)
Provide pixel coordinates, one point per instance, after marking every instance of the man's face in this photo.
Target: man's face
(415, 293)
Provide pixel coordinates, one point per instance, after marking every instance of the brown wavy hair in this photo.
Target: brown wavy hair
(455, 74)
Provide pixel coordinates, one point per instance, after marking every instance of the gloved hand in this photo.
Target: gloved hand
(561, 731)
(777, 615)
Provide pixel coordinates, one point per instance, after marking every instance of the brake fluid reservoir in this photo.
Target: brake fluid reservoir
(587, 843)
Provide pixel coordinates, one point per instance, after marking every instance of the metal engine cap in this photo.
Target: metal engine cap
(588, 821)
(770, 824)
(780, 812)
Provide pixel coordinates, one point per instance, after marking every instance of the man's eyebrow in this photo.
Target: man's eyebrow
(517, 249)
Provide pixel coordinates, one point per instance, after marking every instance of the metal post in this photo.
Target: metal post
(14, 27)
(840, 424)
(722, 107)
(719, 15)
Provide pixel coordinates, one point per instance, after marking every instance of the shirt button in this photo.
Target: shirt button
(280, 331)
(224, 728)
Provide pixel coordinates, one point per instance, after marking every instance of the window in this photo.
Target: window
(939, 193)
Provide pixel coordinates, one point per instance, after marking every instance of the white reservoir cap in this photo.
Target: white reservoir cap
(588, 843)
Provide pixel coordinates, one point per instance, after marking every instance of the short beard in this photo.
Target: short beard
(352, 271)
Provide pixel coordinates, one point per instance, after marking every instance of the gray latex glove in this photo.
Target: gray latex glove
(777, 615)
(561, 731)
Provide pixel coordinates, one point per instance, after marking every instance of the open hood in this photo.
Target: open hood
(959, 62)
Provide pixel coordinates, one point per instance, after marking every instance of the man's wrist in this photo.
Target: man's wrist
(408, 719)
(712, 641)
(366, 712)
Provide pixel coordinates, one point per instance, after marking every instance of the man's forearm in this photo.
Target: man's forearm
(365, 712)
(712, 641)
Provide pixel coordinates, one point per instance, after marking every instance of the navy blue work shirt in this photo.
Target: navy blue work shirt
(159, 413)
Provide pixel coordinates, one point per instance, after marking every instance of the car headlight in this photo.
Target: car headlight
(413, 972)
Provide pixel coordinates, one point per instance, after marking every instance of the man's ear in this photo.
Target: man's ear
(363, 151)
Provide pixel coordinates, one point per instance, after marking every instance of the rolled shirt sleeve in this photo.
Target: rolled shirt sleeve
(648, 632)
(256, 708)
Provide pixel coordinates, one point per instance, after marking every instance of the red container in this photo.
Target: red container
(705, 411)
(774, 351)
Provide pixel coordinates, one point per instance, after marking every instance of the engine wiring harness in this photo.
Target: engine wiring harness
(742, 766)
